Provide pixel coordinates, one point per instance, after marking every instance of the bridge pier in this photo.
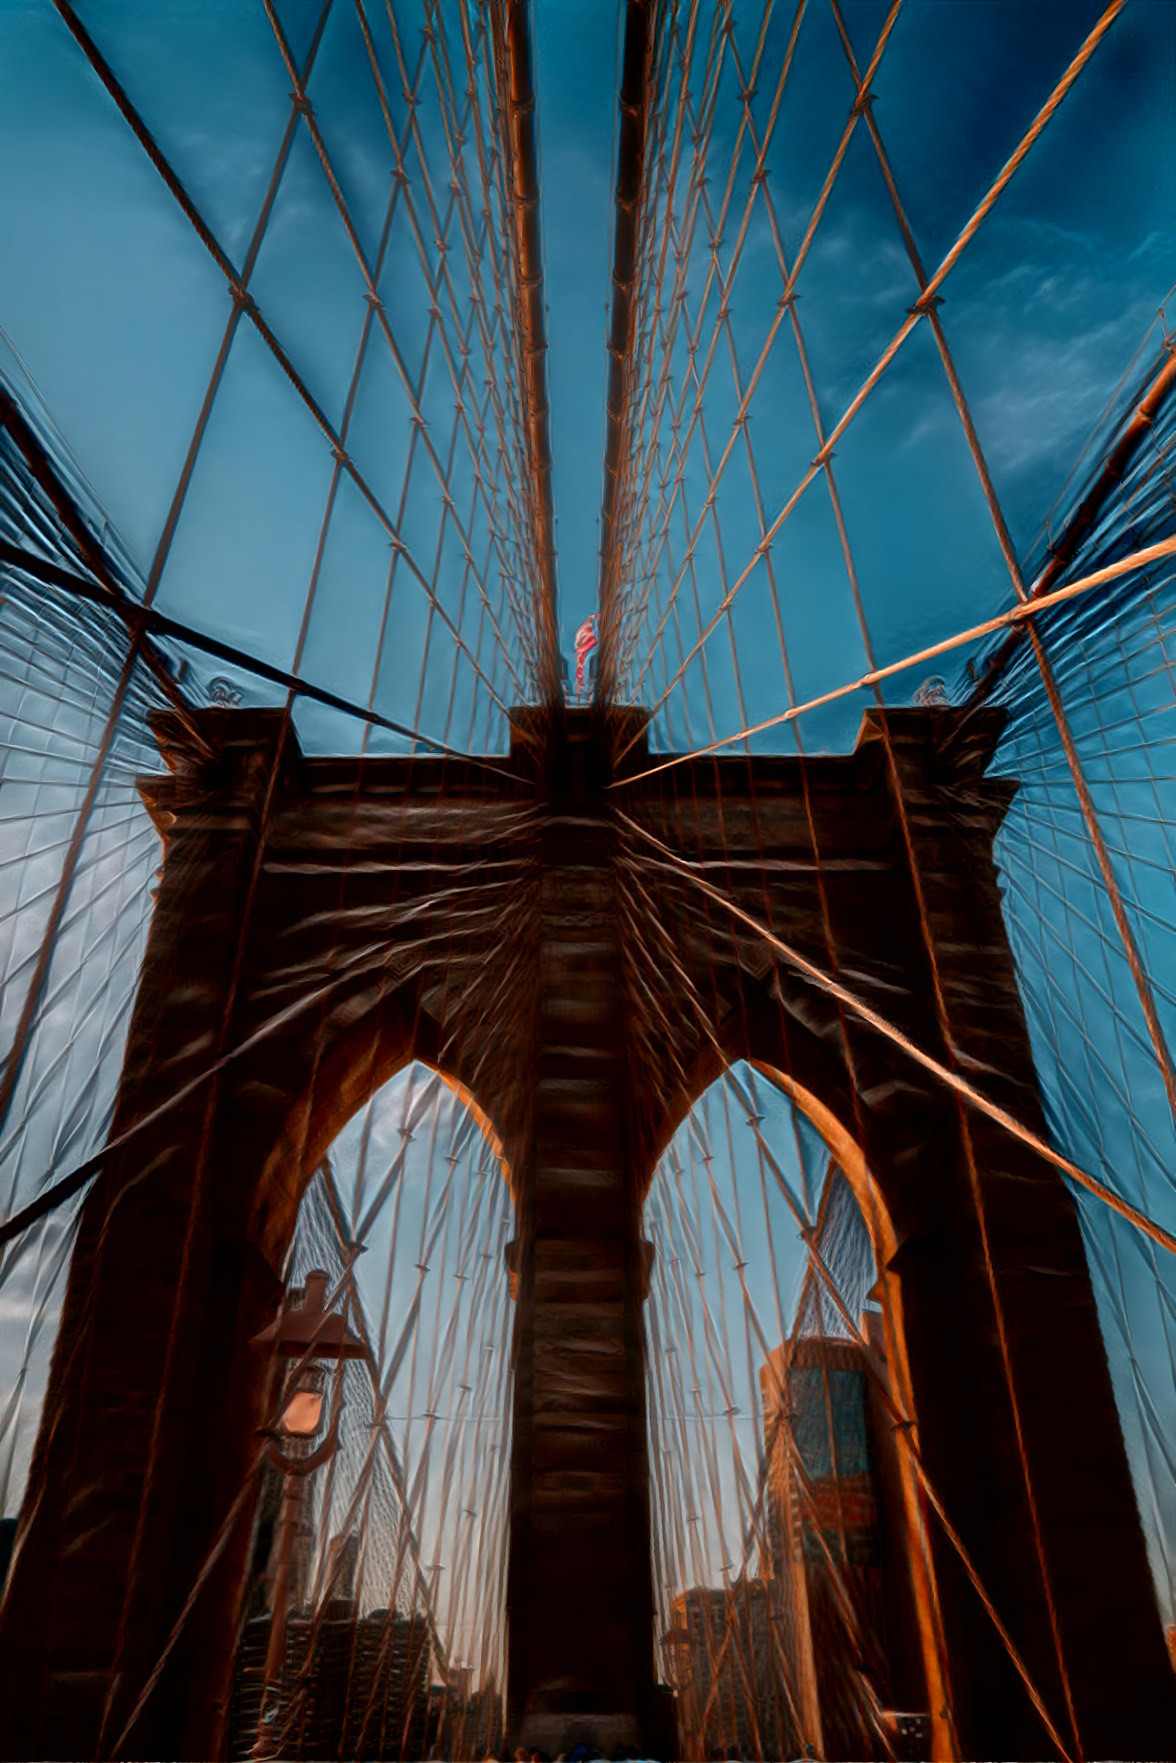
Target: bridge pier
(580, 1593)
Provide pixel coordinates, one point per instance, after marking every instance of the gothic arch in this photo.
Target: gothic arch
(328, 1081)
(831, 1109)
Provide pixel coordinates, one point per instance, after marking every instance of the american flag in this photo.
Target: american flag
(586, 640)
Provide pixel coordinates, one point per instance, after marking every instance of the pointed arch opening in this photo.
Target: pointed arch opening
(395, 1625)
(796, 1604)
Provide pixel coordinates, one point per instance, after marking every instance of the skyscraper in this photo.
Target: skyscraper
(723, 1657)
(837, 1548)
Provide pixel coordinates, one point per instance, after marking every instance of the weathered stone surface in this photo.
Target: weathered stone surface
(323, 922)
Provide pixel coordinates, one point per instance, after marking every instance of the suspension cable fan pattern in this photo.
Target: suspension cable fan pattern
(828, 452)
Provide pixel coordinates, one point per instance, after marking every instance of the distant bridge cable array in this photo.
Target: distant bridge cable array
(655, 524)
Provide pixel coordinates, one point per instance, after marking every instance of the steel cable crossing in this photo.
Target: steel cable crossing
(711, 1476)
(661, 207)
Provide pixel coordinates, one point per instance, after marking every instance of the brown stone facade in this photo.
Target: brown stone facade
(321, 922)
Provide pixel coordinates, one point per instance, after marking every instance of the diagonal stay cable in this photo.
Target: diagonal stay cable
(673, 864)
(371, 278)
(818, 1265)
(1054, 568)
(37, 461)
(643, 109)
(474, 240)
(920, 309)
(757, 183)
(782, 309)
(522, 369)
(137, 617)
(1021, 614)
(242, 297)
(123, 687)
(758, 178)
(216, 376)
(368, 961)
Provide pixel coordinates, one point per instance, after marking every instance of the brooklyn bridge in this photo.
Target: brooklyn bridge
(587, 1118)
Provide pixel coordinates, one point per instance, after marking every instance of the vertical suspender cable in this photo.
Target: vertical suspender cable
(512, 48)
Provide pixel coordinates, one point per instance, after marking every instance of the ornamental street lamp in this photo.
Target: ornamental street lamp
(309, 1334)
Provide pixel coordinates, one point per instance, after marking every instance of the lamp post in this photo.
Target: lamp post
(308, 1333)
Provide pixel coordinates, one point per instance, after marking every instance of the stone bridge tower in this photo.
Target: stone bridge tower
(531, 927)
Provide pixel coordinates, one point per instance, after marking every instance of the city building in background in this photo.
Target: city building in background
(838, 1541)
(722, 1655)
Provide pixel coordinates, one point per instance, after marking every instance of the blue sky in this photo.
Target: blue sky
(117, 311)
